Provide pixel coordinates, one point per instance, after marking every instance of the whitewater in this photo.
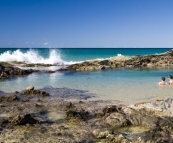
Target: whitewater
(32, 56)
(68, 56)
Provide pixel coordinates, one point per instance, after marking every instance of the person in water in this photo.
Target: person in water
(163, 82)
(170, 80)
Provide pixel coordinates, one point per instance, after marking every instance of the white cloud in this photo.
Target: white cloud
(46, 43)
(27, 42)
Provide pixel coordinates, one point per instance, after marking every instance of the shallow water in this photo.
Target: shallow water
(51, 116)
(127, 85)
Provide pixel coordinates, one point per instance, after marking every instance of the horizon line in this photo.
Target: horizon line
(85, 47)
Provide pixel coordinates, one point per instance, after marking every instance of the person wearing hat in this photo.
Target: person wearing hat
(170, 80)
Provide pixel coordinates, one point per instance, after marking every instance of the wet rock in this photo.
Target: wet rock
(121, 139)
(117, 120)
(3, 122)
(107, 110)
(69, 105)
(103, 135)
(35, 92)
(74, 114)
(23, 120)
(37, 65)
(157, 135)
(111, 137)
(43, 93)
(96, 132)
(50, 71)
(80, 102)
(2, 105)
(7, 70)
(25, 100)
(9, 98)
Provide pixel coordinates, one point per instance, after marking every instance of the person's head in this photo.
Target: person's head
(163, 78)
(170, 77)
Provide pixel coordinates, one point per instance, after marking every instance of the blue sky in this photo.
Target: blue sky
(86, 23)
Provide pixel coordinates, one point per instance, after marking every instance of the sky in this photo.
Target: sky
(86, 23)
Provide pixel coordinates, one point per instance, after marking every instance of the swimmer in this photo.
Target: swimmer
(170, 80)
(163, 82)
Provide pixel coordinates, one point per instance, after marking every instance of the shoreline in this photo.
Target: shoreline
(164, 59)
(14, 68)
(53, 115)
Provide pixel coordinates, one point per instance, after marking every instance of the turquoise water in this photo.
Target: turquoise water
(67, 55)
(127, 85)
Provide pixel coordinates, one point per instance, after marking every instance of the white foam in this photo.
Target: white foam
(119, 55)
(32, 56)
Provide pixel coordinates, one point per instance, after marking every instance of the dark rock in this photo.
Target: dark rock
(69, 105)
(23, 120)
(107, 110)
(117, 120)
(35, 92)
(8, 98)
(50, 71)
(74, 114)
(157, 135)
(3, 122)
(7, 70)
(81, 102)
(37, 65)
(43, 93)
(25, 100)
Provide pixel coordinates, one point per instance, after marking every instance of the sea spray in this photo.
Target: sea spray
(32, 56)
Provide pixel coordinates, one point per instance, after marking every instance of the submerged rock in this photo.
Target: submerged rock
(30, 91)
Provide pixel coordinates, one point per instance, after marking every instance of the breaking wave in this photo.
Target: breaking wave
(32, 56)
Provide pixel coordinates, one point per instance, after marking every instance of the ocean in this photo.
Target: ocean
(129, 85)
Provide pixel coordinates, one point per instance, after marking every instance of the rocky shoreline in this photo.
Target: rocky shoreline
(7, 71)
(165, 59)
(64, 115)
(11, 69)
(37, 115)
